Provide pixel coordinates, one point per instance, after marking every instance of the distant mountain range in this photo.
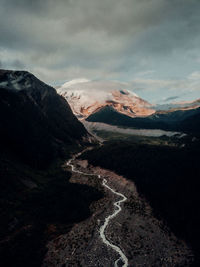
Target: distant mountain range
(86, 98)
(120, 107)
(185, 105)
(180, 120)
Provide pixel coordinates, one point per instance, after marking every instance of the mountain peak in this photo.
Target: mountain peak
(14, 80)
(87, 97)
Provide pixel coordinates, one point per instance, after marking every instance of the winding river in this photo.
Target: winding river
(118, 208)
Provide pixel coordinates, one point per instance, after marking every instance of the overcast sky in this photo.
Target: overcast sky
(154, 45)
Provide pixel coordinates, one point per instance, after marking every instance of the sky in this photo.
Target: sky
(151, 45)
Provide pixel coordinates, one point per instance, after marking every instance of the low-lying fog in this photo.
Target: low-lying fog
(91, 126)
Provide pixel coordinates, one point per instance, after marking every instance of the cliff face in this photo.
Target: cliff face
(35, 122)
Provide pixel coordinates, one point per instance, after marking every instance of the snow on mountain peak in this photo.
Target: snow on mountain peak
(86, 97)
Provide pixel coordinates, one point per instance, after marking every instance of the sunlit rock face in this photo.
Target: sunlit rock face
(86, 97)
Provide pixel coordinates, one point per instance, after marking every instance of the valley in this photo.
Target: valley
(143, 239)
(100, 133)
(78, 192)
(164, 174)
(108, 218)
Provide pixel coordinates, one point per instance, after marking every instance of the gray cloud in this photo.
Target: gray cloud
(17, 64)
(107, 39)
(168, 99)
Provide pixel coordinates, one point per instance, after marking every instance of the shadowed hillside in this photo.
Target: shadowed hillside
(37, 203)
(35, 122)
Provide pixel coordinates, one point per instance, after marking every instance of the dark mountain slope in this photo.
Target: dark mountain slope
(37, 203)
(35, 122)
(192, 124)
(180, 120)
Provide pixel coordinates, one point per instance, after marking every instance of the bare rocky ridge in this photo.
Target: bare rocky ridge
(144, 239)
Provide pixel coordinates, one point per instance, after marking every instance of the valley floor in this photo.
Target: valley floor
(144, 240)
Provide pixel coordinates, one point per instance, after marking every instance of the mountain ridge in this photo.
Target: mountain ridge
(41, 120)
(179, 120)
(38, 132)
(87, 97)
(109, 102)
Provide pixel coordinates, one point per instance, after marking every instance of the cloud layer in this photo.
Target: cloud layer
(126, 40)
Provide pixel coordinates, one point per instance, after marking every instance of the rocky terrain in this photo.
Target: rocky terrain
(165, 173)
(144, 240)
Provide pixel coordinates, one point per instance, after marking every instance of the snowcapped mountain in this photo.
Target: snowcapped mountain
(87, 97)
